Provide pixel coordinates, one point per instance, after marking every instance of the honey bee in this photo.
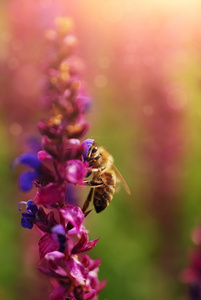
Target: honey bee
(103, 183)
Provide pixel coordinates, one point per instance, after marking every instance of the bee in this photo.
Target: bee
(104, 176)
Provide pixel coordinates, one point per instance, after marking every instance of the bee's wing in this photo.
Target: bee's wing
(122, 179)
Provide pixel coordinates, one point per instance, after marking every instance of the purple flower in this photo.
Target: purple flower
(59, 165)
(76, 171)
(47, 244)
(37, 216)
(60, 233)
(62, 260)
(28, 219)
(87, 144)
(34, 144)
(84, 103)
(70, 196)
(74, 215)
(83, 244)
(26, 178)
(51, 195)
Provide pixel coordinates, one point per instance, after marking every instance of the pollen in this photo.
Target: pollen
(64, 76)
(53, 80)
(76, 85)
(56, 120)
(64, 66)
(64, 25)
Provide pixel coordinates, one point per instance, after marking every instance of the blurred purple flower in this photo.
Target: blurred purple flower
(192, 274)
(26, 178)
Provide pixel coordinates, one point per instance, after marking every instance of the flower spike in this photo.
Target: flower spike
(57, 170)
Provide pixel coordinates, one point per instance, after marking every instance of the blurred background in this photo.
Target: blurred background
(143, 71)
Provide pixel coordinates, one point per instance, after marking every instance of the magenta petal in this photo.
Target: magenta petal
(58, 293)
(89, 263)
(90, 295)
(75, 171)
(54, 255)
(74, 231)
(46, 271)
(89, 245)
(50, 273)
(74, 215)
(76, 270)
(83, 244)
(45, 222)
(101, 286)
(47, 244)
(50, 195)
(96, 263)
(43, 155)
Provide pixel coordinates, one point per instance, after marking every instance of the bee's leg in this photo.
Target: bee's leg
(92, 183)
(93, 170)
(95, 158)
(88, 200)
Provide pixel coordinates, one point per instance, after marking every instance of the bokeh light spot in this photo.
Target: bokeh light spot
(176, 98)
(112, 11)
(129, 59)
(100, 81)
(196, 236)
(25, 81)
(104, 62)
(148, 110)
(15, 129)
(134, 84)
(46, 3)
(13, 63)
(5, 36)
(148, 60)
(16, 45)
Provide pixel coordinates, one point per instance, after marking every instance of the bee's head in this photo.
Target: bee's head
(93, 151)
